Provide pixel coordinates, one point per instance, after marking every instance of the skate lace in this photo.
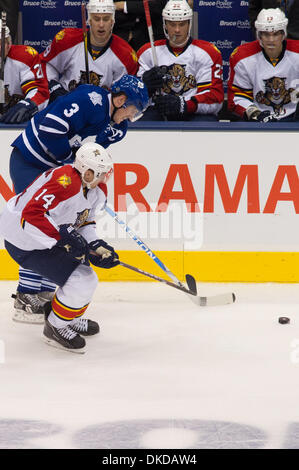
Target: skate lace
(32, 299)
(67, 332)
(81, 325)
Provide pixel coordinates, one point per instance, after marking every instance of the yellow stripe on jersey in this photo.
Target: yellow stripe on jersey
(25, 84)
(243, 92)
(200, 86)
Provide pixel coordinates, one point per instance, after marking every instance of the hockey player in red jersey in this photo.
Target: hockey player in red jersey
(109, 56)
(26, 89)
(187, 81)
(50, 228)
(264, 74)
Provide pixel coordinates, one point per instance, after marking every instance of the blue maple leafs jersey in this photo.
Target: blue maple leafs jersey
(51, 134)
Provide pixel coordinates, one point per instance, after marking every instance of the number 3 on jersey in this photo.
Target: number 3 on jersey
(69, 112)
(48, 198)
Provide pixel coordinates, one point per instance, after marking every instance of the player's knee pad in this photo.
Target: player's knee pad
(80, 286)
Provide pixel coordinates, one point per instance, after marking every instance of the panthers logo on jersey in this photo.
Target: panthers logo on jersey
(31, 50)
(60, 35)
(64, 180)
(134, 56)
(177, 83)
(94, 79)
(81, 218)
(276, 94)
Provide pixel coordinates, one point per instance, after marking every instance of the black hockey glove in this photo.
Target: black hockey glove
(20, 112)
(56, 90)
(153, 79)
(263, 116)
(171, 106)
(74, 243)
(105, 256)
(253, 114)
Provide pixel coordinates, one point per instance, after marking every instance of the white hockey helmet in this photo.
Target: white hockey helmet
(271, 20)
(92, 156)
(177, 10)
(100, 6)
(7, 32)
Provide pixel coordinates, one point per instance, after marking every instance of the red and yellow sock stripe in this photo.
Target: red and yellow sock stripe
(66, 313)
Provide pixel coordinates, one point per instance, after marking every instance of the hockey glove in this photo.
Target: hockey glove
(56, 90)
(74, 243)
(20, 112)
(105, 256)
(253, 114)
(153, 79)
(171, 106)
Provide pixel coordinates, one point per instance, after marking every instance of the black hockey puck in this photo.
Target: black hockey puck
(284, 320)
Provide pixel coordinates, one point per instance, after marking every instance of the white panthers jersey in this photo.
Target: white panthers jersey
(24, 78)
(255, 79)
(64, 60)
(31, 219)
(193, 72)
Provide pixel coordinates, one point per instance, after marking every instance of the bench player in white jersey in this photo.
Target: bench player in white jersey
(264, 74)
(187, 81)
(26, 89)
(109, 56)
(50, 228)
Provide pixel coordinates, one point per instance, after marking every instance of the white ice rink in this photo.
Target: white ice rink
(163, 373)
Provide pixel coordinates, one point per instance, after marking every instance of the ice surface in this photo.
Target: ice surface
(163, 373)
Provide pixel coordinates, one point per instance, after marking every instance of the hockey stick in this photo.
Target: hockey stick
(150, 32)
(85, 40)
(151, 276)
(151, 37)
(157, 278)
(219, 299)
(2, 86)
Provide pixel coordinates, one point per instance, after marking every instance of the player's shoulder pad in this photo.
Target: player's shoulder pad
(208, 47)
(25, 54)
(96, 94)
(67, 179)
(147, 45)
(104, 188)
(293, 45)
(68, 37)
(245, 50)
(122, 48)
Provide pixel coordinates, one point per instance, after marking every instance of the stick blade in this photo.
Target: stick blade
(210, 301)
(191, 283)
(220, 299)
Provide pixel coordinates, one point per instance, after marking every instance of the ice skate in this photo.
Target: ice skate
(28, 308)
(85, 327)
(46, 296)
(63, 338)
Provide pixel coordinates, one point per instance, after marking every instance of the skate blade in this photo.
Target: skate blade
(21, 316)
(54, 344)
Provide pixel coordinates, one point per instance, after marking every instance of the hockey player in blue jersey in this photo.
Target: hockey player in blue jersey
(51, 139)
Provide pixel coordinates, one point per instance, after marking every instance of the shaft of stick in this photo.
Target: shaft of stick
(2, 85)
(157, 278)
(142, 245)
(150, 32)
(85, 40)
